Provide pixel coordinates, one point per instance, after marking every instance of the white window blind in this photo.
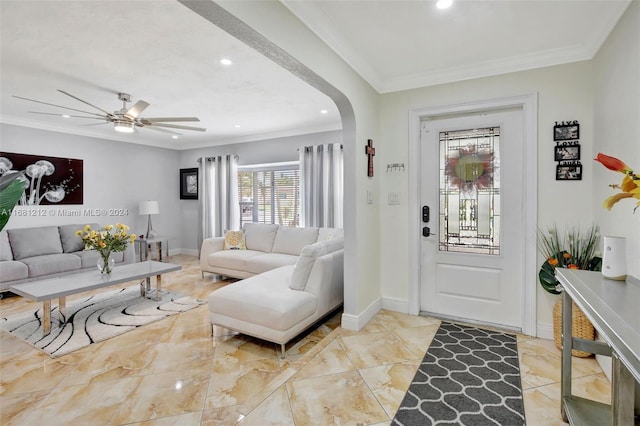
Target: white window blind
(270, 195)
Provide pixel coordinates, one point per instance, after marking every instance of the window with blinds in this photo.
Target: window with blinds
(270, 195)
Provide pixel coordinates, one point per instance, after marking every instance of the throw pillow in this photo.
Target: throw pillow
(234, 240)
(307, 260)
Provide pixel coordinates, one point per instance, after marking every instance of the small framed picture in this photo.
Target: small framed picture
(189, 184)
(568, 172)
(566, 132)
(564, 153)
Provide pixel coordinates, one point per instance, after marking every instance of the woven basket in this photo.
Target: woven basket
(580, 327)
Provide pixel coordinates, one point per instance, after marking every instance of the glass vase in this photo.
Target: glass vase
(106, 263)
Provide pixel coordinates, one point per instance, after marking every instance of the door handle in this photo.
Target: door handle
(426, 231)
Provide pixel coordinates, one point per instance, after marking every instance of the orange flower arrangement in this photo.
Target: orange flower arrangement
(630, 185)
(572, 249)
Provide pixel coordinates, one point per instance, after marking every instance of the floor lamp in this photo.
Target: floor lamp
(149, 208)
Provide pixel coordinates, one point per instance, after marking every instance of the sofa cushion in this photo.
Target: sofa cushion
(51, 264)
(268, 261)
(290, 240)
(307, 259)
(5, 247)
(232, 259)
(260, 236)
(330, 233)
(265, 299)
(29, 242)
(12, 270)
(234, 240)
(70, 241)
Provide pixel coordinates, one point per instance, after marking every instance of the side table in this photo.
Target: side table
(145, 247)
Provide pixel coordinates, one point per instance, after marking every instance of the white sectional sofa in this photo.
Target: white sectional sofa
(267, 247)
(27, 254)
(294, 277)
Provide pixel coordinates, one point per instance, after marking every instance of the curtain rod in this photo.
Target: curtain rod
(313, 146)
(214, 158)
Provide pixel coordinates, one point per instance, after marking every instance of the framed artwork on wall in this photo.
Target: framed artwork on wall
(568, 172)
(52, 180)
(566, 131)
(564, 153)
(189, 184)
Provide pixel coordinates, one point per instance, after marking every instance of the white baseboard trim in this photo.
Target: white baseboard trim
(544, 331)
(395, 305)
(188, 252)
(356, 322)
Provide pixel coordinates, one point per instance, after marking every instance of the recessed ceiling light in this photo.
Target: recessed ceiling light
(237, 126)
(444, 4)
(225, 61)
(66, 116)
(324, 111)
(174, 136)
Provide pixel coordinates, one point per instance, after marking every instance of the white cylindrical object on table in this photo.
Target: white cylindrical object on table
(614, 258)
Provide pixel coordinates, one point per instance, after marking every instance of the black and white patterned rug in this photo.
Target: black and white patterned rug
(469, 376)
(95, 318)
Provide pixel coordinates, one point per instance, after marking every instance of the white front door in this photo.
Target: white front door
(472, 180)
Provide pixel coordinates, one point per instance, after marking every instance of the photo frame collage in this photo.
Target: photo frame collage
(566, 134)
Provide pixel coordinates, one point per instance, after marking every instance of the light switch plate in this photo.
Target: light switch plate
(393, 198)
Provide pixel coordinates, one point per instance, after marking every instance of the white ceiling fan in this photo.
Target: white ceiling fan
(124, 120)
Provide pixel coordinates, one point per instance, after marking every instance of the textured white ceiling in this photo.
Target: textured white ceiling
(161, 52)
(157, 51)
(398, 45)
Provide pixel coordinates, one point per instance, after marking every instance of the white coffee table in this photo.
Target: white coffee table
(60, 287)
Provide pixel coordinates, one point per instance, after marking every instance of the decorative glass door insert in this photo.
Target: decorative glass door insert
(470, 191)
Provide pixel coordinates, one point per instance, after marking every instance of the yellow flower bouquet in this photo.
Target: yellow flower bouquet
(110, 239)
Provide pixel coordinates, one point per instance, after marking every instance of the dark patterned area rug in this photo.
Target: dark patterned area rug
(469, 376)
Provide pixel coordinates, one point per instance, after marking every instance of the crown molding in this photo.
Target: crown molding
(177, 145)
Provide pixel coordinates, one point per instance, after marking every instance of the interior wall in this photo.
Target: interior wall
(258, 152)
(358, 106)
(617, 128)
(117, 175)
(564, 93)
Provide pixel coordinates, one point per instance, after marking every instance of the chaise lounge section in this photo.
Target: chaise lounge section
(278, 304)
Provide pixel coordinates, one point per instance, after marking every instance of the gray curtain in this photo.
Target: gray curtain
(321, 174)
(218, 204)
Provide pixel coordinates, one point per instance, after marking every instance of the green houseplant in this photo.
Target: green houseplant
(12, 186)
(573, 248)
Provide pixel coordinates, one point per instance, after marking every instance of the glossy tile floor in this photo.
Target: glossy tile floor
(173, 373)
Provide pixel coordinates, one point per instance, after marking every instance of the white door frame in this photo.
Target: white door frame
(529, 105)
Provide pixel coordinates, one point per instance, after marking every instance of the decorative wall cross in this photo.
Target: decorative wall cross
(370, 151)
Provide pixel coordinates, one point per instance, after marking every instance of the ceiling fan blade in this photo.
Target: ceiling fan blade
(175, 126)
(58, 106)
(136, 109)
(66, 115)
(94, 124)
(158, 129)
(148, 120)
(85, 102)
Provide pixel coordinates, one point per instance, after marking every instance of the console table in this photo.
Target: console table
(613, 307)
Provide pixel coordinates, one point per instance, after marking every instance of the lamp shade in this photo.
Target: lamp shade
(149, 207)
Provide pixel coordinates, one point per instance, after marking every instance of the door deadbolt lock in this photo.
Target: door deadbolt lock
(425, 214)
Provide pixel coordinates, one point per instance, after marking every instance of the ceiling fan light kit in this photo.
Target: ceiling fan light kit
(125, 120)
(123, 126)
